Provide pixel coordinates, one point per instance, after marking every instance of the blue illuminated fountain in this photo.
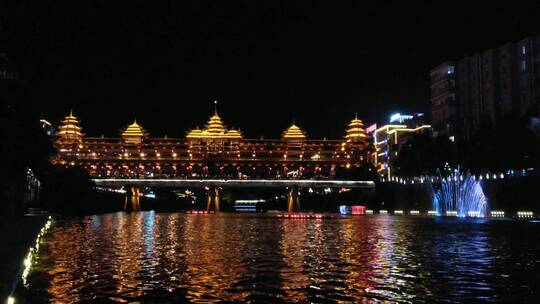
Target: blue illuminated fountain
(460, 195)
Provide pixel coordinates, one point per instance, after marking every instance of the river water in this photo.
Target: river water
(150, 257)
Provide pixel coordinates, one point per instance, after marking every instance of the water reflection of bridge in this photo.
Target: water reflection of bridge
(213, 186)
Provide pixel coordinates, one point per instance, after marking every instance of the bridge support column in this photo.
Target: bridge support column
(213, 200)
(293, 201)
(132, 199)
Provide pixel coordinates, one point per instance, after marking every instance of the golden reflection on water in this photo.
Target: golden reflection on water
(173, 257)
(293, 247)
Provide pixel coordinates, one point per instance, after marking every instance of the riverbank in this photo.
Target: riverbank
(509, 195)
(17, 234)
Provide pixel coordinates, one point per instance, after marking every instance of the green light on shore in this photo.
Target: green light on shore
(32, 252)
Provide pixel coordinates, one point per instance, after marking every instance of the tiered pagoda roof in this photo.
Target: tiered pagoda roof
(134, 133)
(69, 130)
(356, 130)
(293, 133)
(214, 129)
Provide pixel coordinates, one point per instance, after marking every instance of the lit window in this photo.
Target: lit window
(523, 50)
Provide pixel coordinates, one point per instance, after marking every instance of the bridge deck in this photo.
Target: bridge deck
(118, 182)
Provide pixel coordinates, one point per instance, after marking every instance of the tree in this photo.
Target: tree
(423, 154)
(511, 145)
(24, 144)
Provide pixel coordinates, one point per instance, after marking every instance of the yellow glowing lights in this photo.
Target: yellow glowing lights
(70, 130)
(134, 133)
(356, 130)
(525, 214)
(214, 130)
(294, 133)
(497, 213)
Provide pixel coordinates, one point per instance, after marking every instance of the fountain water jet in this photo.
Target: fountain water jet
(459, 192)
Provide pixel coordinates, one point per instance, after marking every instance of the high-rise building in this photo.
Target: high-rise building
(443, 106)
(481, 89)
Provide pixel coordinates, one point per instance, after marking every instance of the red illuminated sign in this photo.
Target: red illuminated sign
(371, 128)
(358, 210)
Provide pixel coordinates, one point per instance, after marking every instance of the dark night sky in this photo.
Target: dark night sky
(268, 62)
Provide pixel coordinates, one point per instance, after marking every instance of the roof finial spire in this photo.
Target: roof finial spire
(70, 112)
(356, 115)
(215, 107)
(135, 120)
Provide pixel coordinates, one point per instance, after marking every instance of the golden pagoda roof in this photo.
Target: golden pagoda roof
(196, 133)
(134, 130)
(214, 129)
(233, 134)
(70, 129)
(215, 125)
(356, 129)
(70, 119)
(293, 133)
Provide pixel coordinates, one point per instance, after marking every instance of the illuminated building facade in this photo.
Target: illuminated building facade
(213, 151)
(389, 138)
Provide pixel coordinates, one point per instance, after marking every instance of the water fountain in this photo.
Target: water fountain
(458, 194)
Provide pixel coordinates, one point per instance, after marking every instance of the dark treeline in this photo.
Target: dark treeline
(26, 146)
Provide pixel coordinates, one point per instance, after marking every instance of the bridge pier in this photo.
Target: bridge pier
(212, 199)
(293, 201)
(132, 199)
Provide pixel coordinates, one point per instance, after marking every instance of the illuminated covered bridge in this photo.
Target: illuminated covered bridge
(213, 152)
